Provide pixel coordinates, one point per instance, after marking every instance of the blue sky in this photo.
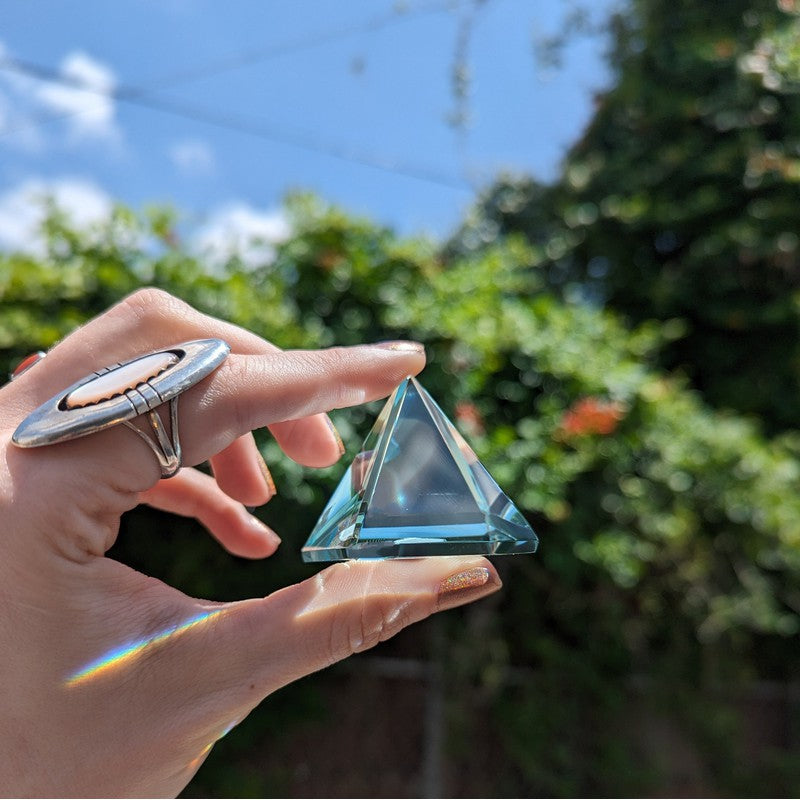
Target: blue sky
(261, 98)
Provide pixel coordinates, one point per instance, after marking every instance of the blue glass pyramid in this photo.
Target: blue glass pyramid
(416, 488)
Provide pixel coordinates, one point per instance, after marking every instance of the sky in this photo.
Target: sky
(221, 109)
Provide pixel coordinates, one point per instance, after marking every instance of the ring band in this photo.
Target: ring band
(121, 392)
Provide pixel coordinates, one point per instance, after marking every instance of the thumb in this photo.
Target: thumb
(257, 646)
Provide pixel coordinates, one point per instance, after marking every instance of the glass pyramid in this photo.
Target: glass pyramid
(416, 488)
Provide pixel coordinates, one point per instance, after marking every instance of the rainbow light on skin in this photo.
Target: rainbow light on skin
(195, 762)
(128, 652)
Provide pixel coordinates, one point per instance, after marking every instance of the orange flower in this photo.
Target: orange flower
(328, 259)
(591, 415)
(470, 419)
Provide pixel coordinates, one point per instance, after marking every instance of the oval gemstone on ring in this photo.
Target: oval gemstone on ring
(119, 380)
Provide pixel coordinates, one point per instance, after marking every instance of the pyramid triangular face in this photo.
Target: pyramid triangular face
(417, 489)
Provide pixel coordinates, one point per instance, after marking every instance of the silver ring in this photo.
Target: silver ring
(121, 392)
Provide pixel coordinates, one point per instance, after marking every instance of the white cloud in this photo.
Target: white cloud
(192, 156)
(88, 114)
(22, 210)
(236, 229)
(241, 230)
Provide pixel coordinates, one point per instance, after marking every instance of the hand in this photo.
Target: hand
(116, 684)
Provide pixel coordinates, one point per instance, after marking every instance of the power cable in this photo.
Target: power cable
(261, 54)
(140, 95)
(256, 127)
(403, 14)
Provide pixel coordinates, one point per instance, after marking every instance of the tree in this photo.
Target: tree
(669, 535)
(679, 201)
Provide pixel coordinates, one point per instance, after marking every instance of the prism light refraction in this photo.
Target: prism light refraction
(416, 488)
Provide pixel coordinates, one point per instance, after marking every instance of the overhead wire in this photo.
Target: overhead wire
(253, 126)
(261, 54)
(236, 122)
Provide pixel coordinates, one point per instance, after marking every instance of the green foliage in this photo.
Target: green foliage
(669, 530)
(679, 201)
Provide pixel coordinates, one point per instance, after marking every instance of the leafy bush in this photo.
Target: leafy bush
(669, 530)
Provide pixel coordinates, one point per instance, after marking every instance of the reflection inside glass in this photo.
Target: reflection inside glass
(416, 488)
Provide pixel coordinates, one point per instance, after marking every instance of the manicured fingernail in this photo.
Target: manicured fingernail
(26, 364)
(400, 346)
(468, 585)
(267, 475)
(336, 436)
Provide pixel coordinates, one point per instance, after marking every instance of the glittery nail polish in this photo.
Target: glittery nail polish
(467, 585)
(402, 346)
(267, 475)
(336, 436)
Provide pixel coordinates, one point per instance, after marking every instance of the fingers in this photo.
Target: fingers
(201, 667)
(304, 440)
(250, 392)
(150, 319)
(256, 646)
(241, 472)
(147, 320)
(103, 473)
(193, 494)
(312, 441)
(244, 393)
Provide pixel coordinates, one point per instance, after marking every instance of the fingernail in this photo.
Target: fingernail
(400, 346)
(336, 436)
(465, 586)
(257, 525)
(267, 475)
(26, 364)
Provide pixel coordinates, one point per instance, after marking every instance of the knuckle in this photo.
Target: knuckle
(344, 374)
(361, 610)
(361, 628)
(149, 303)
(232, 373)
(336, 357)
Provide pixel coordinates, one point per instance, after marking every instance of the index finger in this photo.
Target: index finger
(249, 392)
(149, 319)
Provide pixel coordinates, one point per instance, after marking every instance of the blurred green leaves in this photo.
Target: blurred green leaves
(679, 202)
(679, 517)
(688, 516)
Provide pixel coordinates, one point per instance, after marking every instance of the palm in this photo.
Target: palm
(124, 664)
